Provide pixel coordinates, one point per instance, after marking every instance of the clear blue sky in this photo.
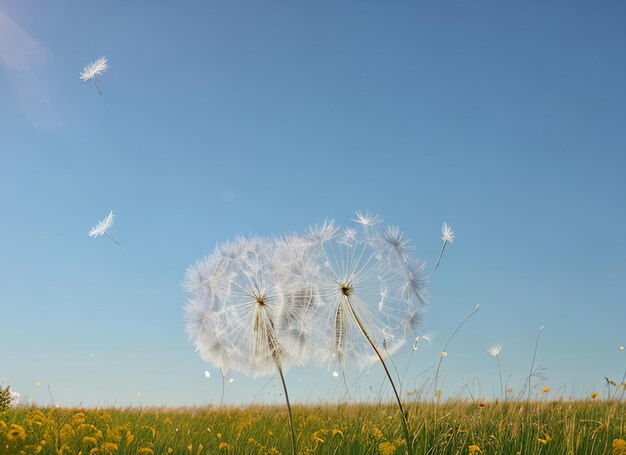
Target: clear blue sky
(504, 119)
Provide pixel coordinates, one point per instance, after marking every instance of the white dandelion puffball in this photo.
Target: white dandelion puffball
(207, 374)
(494, 350)
(447, 234)
(93, 70)
(102, 227)
(335, 374)
(233, 308)
(368, 286)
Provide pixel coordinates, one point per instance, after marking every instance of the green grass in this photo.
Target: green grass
(567, 427)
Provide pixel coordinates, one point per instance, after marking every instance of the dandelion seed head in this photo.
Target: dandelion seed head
(447, 234)
(320, 234)
(335, 374)
(367, 219)
(349, 236)
(494, 350)
(94, 69)
(395, 239)
(103, 226)
(233, 307)
(356, 285)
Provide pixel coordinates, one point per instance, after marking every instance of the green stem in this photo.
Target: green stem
(405, 423)
(293, 433)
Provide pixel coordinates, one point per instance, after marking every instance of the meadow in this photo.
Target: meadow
(454, 427)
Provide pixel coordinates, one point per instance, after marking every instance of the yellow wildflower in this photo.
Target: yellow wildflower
(90, 441)
(594, 395)
(200, 447)
(66, 433)
(219, 435)
(224, 445)
(444, 354)
(145, 451)
(386, 448)
(129, 438)
(168, 420)
(545, 440)
(474, 449)
(546, 389)
(337, 431)
(377, 433)
(16, 433)
(316, 437)
(109, 448)
(481, 403)
(509, 390)
(619, 447)
(170, 450)
(399, 442)
(78, 418)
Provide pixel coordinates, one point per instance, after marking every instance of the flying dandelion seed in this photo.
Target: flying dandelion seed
(231, 380)
(447, 235)
(335, 374)
(102, 227)
(93, 70)
(207, 374)
(621, 348)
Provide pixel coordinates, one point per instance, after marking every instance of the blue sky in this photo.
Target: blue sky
(504, 119)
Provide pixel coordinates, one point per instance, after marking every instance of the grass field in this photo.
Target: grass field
(542, 427)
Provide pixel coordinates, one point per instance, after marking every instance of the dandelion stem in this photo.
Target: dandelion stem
(445, 348)
(443, 247)
(293, 433)
(223, 381)
(93, 79)
(532, 364)
(405, 423)
(406, 370)
(111, 238)
(500, 373)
